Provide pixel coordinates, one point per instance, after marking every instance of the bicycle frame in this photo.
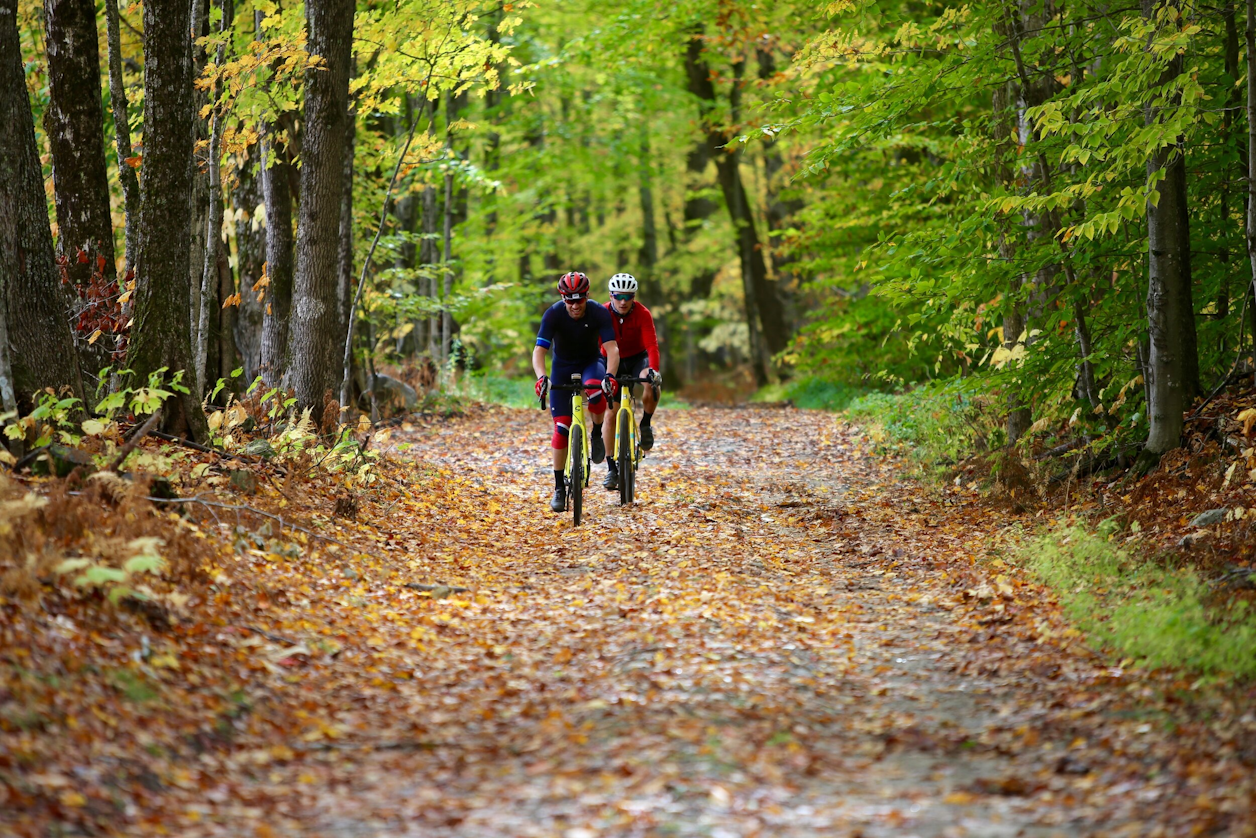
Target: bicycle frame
(579, 410)
(577, 478)
(627, 413)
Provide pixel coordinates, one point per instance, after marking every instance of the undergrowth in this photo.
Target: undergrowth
(934, 425)
(1155, 614)
(810, 393)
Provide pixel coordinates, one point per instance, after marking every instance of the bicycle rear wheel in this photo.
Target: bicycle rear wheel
(625, 464)
(577, 474)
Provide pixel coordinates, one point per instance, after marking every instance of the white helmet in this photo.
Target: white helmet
(623, 284)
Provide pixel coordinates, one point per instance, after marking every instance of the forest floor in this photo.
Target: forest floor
(785, 636)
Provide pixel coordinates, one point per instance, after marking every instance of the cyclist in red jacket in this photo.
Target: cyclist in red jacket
(639, 351)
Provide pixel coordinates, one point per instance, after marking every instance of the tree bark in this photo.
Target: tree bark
(161, 334)
(75, 124)
(1250, 36)
(225, 355)
(277, 175)
(250, 237)
(39, 346)
(1174, 375)
(765, 315)
(213, 226)
(122, 136)
(312, 349)
(428, 258)
(1019, 415)
(344, 257)
(447, 275)
(778, 210)
(200, 188)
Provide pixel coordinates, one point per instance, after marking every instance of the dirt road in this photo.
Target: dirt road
(784, 637)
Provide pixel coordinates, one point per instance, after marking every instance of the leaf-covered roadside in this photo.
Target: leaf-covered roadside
(785, 637)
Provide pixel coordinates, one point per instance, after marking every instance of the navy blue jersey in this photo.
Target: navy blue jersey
(575, 341)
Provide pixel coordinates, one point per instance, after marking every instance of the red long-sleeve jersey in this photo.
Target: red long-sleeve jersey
(634, 333)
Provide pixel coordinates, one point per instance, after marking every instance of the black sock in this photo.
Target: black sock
(645, 419)
(597, 429)
(558, 479)
(610, 465)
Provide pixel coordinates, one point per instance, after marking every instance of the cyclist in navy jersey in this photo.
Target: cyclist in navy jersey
(577, 333)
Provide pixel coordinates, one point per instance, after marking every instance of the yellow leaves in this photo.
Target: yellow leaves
(1248, 418)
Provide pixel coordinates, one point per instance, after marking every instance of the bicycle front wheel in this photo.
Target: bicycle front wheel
(625, 464)
(577, 473)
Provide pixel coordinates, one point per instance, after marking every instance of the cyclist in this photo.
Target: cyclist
(639, 348)
(573, 329)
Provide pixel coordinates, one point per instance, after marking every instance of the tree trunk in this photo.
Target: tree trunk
(765, 315)
(250, 262)
(1003, 101)
(277, 176)
(213, 226)
(1231, 58)
(312, 350)
(39, 346)
(1250, 36)
(225, 355)
(428, 258)
(75, 125)
(345, 285)
(698, 208)
(447, 275)
(122, 136)
(160, 336)
(1170, 314)
(647, 258)
(200, 189)
(778, 210)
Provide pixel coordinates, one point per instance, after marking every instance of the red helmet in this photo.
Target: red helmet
(573, 282)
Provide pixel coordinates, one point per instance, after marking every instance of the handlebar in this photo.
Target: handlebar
(621, 380)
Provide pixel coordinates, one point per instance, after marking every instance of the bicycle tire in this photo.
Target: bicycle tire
(625, 464)
(577, 475)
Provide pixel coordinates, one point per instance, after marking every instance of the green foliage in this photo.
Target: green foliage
(118, 583)
(943, 197)
(811, 393)
(1158, 615)
(933, 425)
(493, 389)
(53, 418)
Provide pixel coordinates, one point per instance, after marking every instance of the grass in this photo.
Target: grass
(495, 389)
(935, 425)
(1159, 616)
(810, 394)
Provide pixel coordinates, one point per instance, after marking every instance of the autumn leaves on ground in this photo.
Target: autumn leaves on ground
(785, 636)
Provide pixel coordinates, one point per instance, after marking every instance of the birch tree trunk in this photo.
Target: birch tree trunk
(312, 350)
(38, 347)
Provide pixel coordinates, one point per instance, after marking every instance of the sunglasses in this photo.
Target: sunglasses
(623, 298)
(574, 298)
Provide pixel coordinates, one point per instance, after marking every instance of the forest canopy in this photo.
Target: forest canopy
(1042, 206)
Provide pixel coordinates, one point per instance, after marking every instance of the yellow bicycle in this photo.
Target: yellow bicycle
(576, 471)
(628, 451)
